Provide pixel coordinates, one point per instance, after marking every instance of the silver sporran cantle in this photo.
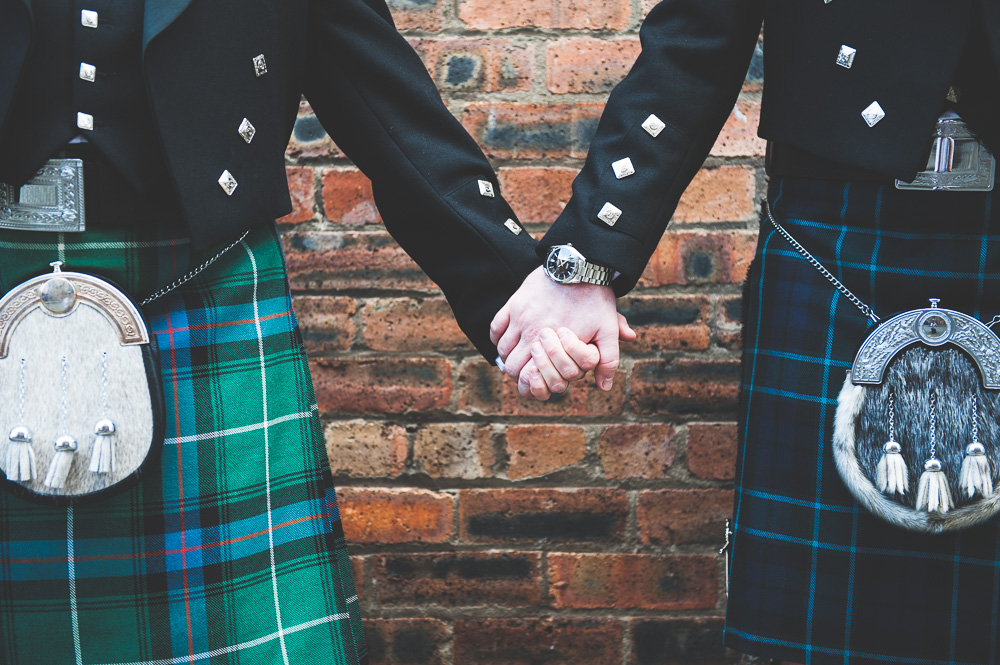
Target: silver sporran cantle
(81, 403)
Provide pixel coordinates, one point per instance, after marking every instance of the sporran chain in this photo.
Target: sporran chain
(194, 273)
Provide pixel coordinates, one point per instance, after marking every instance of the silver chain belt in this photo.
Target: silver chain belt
(194, 273)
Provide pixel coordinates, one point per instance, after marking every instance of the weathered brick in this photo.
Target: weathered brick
(406, 641)
(417, 14)
(358, 570)
(308, 138)
(325, 322)
(692, 641)
(347, 197)
(566, 14)
(365, 449)
(739, 135)
(486, 390)
(664, 323)
(334, 260)
(685, 385)
(380, 385)
(679, 517)
(302, 188)
(711, 450)
(454, 450)
(637, 451)
(537, 195)
(395, 515)
(532, 131)
(633, 581)
(729, 323)
(723, 194)
(482, 65)
(407, 324)
(460, 579)
(537, 450)
(700, 257)
(536, 640)
(526, 515)
(587, 65)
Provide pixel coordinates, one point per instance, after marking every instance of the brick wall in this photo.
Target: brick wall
(489, 529)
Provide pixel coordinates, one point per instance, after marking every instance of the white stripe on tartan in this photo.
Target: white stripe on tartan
(267, 454)
(70, 559)
(63, 246)
(243, 429)
(242, 645)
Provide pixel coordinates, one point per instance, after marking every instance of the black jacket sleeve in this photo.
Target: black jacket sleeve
(374, 97)
(693, 61)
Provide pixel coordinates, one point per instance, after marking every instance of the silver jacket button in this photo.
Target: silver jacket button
(88, 18)
(873, 114)
(609, 214)
(653, 125)
(247, 130)
(259, 65)
(227, 182)
(846, 56)
(623, 168)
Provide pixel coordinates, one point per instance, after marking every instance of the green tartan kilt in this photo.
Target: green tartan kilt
(229, 549)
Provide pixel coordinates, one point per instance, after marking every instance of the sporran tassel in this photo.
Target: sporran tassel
(891, 475)
(103, 458)
(975, 475)
(61, 463)
(933, 494)
(20, 456)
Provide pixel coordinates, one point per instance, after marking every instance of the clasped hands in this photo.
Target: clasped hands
(549, 335)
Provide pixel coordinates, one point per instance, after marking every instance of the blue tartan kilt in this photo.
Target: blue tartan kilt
(814, 578)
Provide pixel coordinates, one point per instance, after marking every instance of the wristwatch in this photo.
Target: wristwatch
(566, 265)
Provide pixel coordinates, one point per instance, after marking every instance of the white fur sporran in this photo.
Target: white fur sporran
(80, 394)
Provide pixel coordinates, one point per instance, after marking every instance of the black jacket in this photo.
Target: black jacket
(371, 93)
(694, 57)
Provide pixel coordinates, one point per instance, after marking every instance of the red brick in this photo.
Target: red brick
(417, 14)
(537, 450)
(459, 579)
(681, 517)
(558, 14)
(406, 324)
(358, 570)
(302, 188)
(325, 322)
(347, 198)
(395, 515)
(723, 194)
(406, 641)
(692, 641)
(486, 390)
(535, 640)
(532, 131)
(700, 257)
(637, 451)
(380, 385)
(739, 135)
(729, 324)
(711, 450)
(365, 449)
(333, 260)
(663, 323)
(308, 138)
(537, 195)
(480, 65)
(586, 65)
(454, 450)
(634, 581)
(552, 515)
(685, 386)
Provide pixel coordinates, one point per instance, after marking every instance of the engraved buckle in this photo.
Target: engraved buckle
(51, 201)
(958, 161)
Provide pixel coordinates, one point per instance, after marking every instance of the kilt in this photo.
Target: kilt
(814, 578)
(230, 548)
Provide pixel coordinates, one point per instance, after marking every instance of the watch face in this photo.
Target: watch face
(562, 264)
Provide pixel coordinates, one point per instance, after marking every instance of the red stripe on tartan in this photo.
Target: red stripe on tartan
(226, 324)
(144, 555)
(180, 486)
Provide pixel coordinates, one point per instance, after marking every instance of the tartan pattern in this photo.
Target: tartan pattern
(814, 578)
(230, 550)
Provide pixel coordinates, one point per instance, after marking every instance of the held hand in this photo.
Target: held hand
(585, 311)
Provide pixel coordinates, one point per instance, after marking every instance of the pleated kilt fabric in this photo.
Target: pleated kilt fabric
(229, 549)
(814, 578)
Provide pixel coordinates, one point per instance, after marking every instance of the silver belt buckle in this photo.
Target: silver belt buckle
(50, 201)
(958, 161)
